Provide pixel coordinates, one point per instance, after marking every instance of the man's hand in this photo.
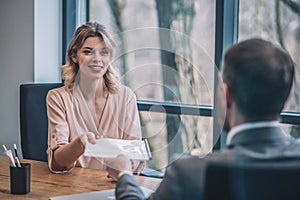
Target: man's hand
(115, 166)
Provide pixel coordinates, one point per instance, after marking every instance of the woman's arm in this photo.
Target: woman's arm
(58, 133)
(66, 155)
(62, 153)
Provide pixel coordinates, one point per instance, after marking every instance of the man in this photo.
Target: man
(257, 79)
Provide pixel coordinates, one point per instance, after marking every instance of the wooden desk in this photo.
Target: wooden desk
(45, 184)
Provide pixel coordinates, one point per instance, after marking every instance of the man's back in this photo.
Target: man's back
(185, 178)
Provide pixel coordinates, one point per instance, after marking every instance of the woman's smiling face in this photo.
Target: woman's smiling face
(93, 58)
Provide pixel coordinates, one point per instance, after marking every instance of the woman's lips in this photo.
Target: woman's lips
(95, 66)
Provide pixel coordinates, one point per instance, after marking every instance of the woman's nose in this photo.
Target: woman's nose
(97, 57)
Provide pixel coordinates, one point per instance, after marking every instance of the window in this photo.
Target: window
(165, 54)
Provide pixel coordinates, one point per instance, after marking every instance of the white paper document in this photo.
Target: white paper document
(111, 148)
(96, 195)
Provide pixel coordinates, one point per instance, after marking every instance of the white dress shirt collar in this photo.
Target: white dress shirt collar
(246, 126)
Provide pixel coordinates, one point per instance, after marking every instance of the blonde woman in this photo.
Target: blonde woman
(92, 104)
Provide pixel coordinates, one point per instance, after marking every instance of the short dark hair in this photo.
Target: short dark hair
(260, 77)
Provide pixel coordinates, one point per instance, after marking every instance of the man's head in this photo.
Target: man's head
(258, 77)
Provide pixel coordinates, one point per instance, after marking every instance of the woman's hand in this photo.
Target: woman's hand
(87, 137)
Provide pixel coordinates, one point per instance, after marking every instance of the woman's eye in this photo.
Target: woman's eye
(104, 53)
(87, 52)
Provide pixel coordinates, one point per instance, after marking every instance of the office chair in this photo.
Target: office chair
(258, 181)
(33, 119)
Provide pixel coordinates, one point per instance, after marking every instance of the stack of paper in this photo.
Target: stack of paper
(110, 148)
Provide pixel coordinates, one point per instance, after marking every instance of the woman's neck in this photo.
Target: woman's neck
(92, 87)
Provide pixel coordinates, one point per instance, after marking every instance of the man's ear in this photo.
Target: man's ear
(228, 96)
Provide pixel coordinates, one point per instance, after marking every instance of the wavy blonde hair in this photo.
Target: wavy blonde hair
(70, 69)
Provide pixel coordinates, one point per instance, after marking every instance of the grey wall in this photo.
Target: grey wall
(16, 63)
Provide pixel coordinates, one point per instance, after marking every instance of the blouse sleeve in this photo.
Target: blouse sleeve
(58, 128)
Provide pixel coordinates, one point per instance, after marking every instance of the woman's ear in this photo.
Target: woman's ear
(74, 59)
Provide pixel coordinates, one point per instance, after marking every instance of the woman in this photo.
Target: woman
(91, 105)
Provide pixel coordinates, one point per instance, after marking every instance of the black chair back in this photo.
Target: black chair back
(34, 120)
(259, 181)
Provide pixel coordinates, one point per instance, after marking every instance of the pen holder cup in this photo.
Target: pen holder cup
(20, 179)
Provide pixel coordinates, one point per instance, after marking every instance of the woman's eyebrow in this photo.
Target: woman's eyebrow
(86, 47)
(90, 48)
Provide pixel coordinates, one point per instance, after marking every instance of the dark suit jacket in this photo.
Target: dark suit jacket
(184, 179)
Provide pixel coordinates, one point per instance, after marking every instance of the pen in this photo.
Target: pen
(17, 157)
(16, 152)
(8, 153)
(4, 147)
(18, 161)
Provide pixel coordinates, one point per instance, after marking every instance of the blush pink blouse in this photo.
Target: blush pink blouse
(69, 116)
